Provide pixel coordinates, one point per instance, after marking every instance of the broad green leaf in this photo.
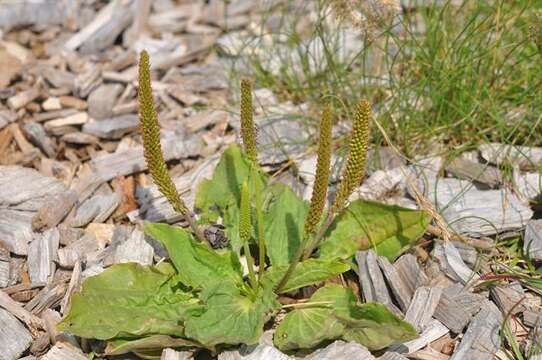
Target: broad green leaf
(388, 229)
(333, 312)
(197, 264)
(230, 317)
(306, 273)
(284, 221)
(154, 343)
(220, 195)
(128, 300)
(375, 327)
(314, 322)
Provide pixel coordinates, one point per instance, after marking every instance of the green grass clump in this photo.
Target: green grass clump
(462, 74)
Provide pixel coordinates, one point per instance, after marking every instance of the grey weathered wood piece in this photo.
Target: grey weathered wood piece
(48, 297)
(96, 209)
(469, 301)
(54, 210)
(532, 241)
(170, 354)
(14, 13)
(390, 355)
(51, 319)
(341, 350)
(471, 170)
(4, 267)
(108, 205)
(16, 230)
(74, 284)
(373, 286)
(64, 351)
(435, 330)
(112, 128)
(463, 204)
(401, 291)
(452, 314)
(527, 184)
(100, 105)
(14, 337)
(481, 340)
(525, 157)
(16, 309)
(135, 249)
(7, 117)
(508, 297)
(409, 271)
(132, 160)
(532, 318)
(36, 134)
(452, 264)
(422, 306)
(42, 252)
(467, 253)
(26, 189)
(78, 250)
(102, 31)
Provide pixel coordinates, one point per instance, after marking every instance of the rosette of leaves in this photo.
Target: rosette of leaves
(205, 297)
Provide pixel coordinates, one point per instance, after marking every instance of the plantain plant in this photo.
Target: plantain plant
(204, 297)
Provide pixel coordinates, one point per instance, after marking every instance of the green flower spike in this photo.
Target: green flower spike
(150, 132)
(319, 191)
(355, 164)
(248, 130)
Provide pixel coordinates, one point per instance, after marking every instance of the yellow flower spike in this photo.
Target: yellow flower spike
(319, 191)
(355, 164)
(248, 130)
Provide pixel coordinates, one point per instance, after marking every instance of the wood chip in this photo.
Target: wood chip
(75, 119)
(37, 135)
(13, 307)
(467, 169)
(463, 205)
(452, 314)
(525, 157)
(112, 128)
(73, 286)
(78, 250)
(509, 298)
(47, 298)
(532, 241)
(102, 100)
(481, 340)
(432, 332)
(136, 249)
(16, 230)
(401, 291)
(21, 99)
(41, 253)
(54, 210)
(409, 271)
(14, 338)
(451, 263)
(4, 267)
(132, 160)
(390, 355)
(373, 286)
(64, 351)
(423, 306)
